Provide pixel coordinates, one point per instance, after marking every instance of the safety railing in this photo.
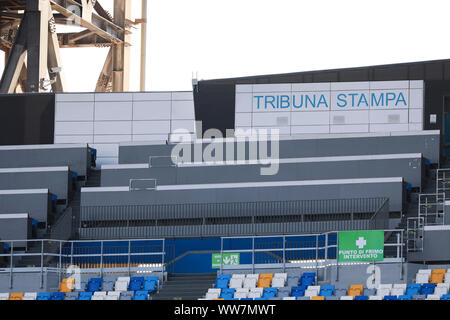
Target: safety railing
(313, 251)
(443, 182)
(431, 208)
(97, 257)
(414, 231)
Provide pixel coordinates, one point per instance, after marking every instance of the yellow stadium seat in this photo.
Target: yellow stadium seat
(437, 275)
(67, 285)
(355, 290)
(318, 298)
(219, 299)
(265, 280)
(16, 296)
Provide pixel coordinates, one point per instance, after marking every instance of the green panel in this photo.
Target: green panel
(366, 245)
(229, 259)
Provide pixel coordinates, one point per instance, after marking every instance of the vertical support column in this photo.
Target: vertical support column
(129, 253)
(42, 264)
(101, 259)
(121, 52)
(221, 252)
(325, 271)
(60, 261)
(253, 254)
(37, 43)
(163, 259)
(143, 45)
(71, 253)
(11, 265)
(284, 253)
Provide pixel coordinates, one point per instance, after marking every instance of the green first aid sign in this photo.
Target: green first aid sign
(367, 245)
(229, 259)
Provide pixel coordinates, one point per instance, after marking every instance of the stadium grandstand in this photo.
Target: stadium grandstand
(324, 185)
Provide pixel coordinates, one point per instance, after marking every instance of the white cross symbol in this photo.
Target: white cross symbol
(361, 242)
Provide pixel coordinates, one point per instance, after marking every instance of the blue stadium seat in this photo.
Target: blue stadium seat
(308, 279)
(136, 283)
(58, 296)
(150, 284)
(326, 291)
(85, 296)
(227, 293)
(390, 298)
(44, 296)
(404, 297)
(445, 297)
(270, 293)
(412, 289)
(94, 284)
(298, 291)
(262, 298)
(246, 299)
(361, 298)
(427, 288)
(222, 281)
(141, 295)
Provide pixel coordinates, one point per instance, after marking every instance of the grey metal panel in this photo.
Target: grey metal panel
(76, 157)
(36, 204)
(409, 166)
(14, 227)
(391, 188)
(425, 142)
(57, 179)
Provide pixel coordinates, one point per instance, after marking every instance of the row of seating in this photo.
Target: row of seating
(264, 280)
(148, 283)
(98, 295)
(433, 276)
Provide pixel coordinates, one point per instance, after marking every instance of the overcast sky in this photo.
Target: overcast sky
(229, 38)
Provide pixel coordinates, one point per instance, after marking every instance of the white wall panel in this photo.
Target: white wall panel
(182, 95)
(113, 110)
(243, 119)
(151, 110)
(244, 102)
(344, 86)
(310, 118)
(349, 128)
(182, 110)
(282, 130)
(107, 149)
(310, 129)
(74, 128)
(389, 116)
(389, 84)
(350, 100)
(389, 127)
(74, 111)
(74, 139)
(271, 119)
(75, 97)
(244, 88)
(151, 127)
(109, 138)
(152, 96)
(349, 117)
(150, 137)
(112, 127)
(416, 115)
(319, 86)
(416, 98)
(188, 125)
(277, 87)
(415, 126)
(114, 96)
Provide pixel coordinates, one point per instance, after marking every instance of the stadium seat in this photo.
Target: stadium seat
(437, 276)
(317, 298)
(255, 293)
(121, 285)
(108, 285)
(249, 282)
(141, 295)
(101, 298)
(445, 297)
(85, 296)
(112, 295)
(369, 292)
(390, 298)
(361, 298)
(398, 289)
(280, 276)
(67, 285)
(326, 291)
(284, 292)
(404, 297)
(270, 292)
(29, 296)
(308, 279)
(16, 296)
(44, 296)
(413, 289)
(346, 298)
(293, 280)
(427, 288)
(94, 284)
(312, 291)
(262, 298)
(355, 290)
(222, 281)
(440, 290)
(236, 283)
(136, 283)
(241, 293)
(433, 297)
(213, 294)
(419, 297)
(447, 277)
(58, 296)
(252, 276)
(150, 284)
(332, 298)
(298, 291)
(265, 280)
(383, 290)
(238, 276)
(279, 280)
(4, 296)
(71, 296)
(375, 298)
(303, 298)
(227, 293)
(340, 290)
(289, 298)
(423, 276)
(126, 295)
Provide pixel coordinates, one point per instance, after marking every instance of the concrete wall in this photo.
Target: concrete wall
(35, 202)
(15, 227)
(408, 166)
(425, 142)
(58, 180)
(104, 119)
(435, 245)
(76, 156)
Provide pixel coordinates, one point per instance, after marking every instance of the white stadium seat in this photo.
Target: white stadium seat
(241, 293)
(121, 286)
(439, 291)
(312, 291)
(443, 285)
(289, 298)
(347, 298)
(238, 276)
(250, 283)
(399, 286)
(375, 298)
(252, 276)
(422, 277)
(94, 297)
(433, 297)
(100, 293)
(236, 283)
(383, 292)
(447, 277)
(29, 296)
(278, 282)
(4, 296)
(397, 291)
(213, 294)
(280, 275)
(255, 293)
